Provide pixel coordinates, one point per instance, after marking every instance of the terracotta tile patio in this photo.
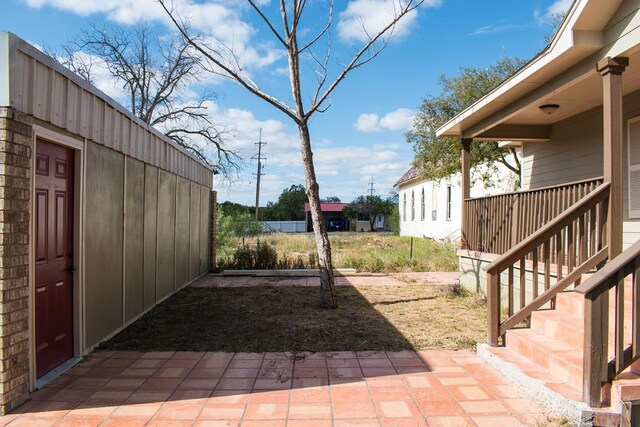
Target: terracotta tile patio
(428, 388)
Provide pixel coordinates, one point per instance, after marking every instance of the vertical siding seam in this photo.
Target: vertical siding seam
(157, 228)
(175, 233)
(124, 240)
(144, 207)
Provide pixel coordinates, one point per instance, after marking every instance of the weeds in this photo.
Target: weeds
(371, 252)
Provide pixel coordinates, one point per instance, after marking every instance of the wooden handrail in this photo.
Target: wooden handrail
(597, 368)
(494, 224)
(601, 277)
(597, 180)
(551, 228)
(576, 234)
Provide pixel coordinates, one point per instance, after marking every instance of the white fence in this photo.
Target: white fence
(283, 226)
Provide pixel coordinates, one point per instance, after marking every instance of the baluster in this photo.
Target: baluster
(618, 282)
(523, 283)
(559, 255)
(534, 275)
(582, 233)
(547, 264)
(493, 307)
(570, 247)
(635, 337)
(592, 232)
(511, 307)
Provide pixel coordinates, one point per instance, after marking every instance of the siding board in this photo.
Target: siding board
(43, 88)
(103, 247)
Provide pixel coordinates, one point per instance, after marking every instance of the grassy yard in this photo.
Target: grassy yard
(372, 252)
(267, 318)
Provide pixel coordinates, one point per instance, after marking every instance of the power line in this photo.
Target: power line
(259, 157)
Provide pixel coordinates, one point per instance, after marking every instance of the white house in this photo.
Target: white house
(433, 208)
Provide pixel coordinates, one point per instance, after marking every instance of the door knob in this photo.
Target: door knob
(72, 268)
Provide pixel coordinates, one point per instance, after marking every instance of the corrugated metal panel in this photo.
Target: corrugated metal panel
(43, 88)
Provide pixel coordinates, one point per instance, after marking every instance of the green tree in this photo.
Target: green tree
(289, 207)
(440, 156)
(369, 206)
(331, 199)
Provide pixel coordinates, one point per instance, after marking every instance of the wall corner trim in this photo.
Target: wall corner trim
(5, 98)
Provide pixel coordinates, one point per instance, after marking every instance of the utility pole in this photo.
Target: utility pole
(259, 157)
(371, 189)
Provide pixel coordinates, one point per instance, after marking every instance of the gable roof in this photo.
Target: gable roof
(328, 207)
(563, 73)
(412, 174)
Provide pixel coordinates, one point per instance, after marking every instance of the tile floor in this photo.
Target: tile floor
(427, 388)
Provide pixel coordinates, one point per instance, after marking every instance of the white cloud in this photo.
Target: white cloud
(220, 20)
(342, 171)
(400, 119)
(363, 18)
(558, 7)
(368, 122)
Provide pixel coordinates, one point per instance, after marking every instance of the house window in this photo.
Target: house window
(422, 207)
(434, 202)
(413, 206)
(633, 132)
(448, 202)
(404, 207)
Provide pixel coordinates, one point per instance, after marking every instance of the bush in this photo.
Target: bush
(265, 257)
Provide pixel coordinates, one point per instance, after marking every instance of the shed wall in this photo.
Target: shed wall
(41, 87)
(139, 244)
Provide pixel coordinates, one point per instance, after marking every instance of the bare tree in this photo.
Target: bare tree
(225, 61)
(154, 73)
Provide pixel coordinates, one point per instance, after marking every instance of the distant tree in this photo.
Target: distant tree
(289, 207)
(440, 157)
(369, 206)
(234, 209)
(554, 22)
(331, 199)
(153, 71)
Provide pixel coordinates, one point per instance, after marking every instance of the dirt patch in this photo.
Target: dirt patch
(270, 318)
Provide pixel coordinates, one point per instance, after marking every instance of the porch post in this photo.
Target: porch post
(465, 143)
(611, 70)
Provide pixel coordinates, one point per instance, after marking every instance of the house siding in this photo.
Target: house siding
(441, 227)
(575, 153)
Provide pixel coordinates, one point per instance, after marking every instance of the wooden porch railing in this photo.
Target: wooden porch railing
(496, 223)
(574, 241)
(598, 367)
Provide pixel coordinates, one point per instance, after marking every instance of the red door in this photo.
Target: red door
(53, 255)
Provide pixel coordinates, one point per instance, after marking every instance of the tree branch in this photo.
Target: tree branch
(234, 74)
(356, 62)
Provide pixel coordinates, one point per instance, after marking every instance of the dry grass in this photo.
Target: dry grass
(372, 252)
(289, 318)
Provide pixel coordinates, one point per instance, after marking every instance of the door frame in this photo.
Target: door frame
(78, 147)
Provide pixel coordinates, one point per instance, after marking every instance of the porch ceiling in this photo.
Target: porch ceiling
(564, 74)
(529, 123)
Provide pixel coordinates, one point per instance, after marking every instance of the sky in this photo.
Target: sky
(360, 139)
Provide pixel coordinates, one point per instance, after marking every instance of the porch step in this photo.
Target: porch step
(549, 390)
(549, 354)
(562, 360)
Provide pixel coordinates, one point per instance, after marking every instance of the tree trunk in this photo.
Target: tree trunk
(329, 298)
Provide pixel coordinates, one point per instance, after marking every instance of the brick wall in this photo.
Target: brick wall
(15, 185)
